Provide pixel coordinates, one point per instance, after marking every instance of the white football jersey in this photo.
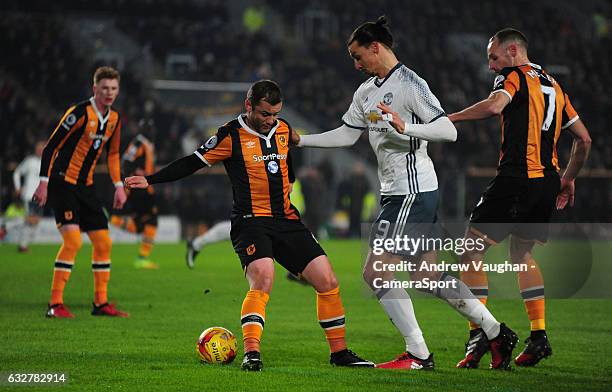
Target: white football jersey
(29, 169)
(403, 164)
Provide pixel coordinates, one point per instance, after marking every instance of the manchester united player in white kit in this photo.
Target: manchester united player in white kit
(401, 114)
(25, 180)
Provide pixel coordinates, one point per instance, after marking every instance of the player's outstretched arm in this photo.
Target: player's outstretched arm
(580, 152)
(439, 130)
(175, 171)
(492, 106)
(342, 136)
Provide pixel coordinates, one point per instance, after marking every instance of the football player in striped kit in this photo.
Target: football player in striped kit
(265, 226)
(401, 115)
(518, 203)
(67, 167)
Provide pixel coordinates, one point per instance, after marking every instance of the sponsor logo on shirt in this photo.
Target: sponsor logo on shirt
(262, 158)
(273, 167)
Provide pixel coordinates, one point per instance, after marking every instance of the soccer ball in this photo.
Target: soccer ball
(217, 345)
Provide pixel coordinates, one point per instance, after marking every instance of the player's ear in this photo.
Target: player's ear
(512, 49)
(247, 105)
(375, 47)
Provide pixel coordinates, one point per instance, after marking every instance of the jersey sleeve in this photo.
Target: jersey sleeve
(149, 163)
(291, 172)
(422, 102)
(507, 82)
(114, 164)
(217, 148)
(354, 116)
(73, 119)
(569, 115)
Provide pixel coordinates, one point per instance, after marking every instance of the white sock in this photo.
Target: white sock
(463, 301)
(398, 306)
(219, 232)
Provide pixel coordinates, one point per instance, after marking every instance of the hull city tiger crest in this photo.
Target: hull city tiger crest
(251, 250)
(282, 140)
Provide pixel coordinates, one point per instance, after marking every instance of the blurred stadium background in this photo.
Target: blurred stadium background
(186, 64)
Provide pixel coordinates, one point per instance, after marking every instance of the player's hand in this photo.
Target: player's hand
(566, 194)
(395, 120)
(120, 198)
(453, 117)
(294, 138)
(136, 182)
(40, 195)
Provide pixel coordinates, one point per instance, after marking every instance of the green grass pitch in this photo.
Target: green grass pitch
(155, 348)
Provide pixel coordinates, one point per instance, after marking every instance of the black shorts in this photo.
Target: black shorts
(287, 241)
(518, 206)
(76, 205)
(143, 207)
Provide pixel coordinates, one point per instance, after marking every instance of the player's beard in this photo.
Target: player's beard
(258, 126)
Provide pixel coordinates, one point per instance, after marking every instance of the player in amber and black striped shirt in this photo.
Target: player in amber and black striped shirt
(139, 159)
(66, 176)
(254, 149)
(520, 200)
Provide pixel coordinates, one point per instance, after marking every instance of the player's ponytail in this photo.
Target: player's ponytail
(369, 32)
(381, 21)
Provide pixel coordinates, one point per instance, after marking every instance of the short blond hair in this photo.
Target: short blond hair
(105, 73)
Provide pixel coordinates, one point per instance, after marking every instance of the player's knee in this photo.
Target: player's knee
(261, 276)
(368, 276)
(425, 275)
(520, 251)
(72, 242)
(102, 243)
(327, 283)
(262, 282)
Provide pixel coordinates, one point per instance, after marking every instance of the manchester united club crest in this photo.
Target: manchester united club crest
(388, 98)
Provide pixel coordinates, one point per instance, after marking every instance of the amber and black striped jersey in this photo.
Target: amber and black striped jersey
(139, 155)
(258, 166)
(77, 142)
(532, 121)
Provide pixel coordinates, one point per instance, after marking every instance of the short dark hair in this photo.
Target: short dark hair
(510, 34)
(105, 73)
(266, 90)
(369, 32)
